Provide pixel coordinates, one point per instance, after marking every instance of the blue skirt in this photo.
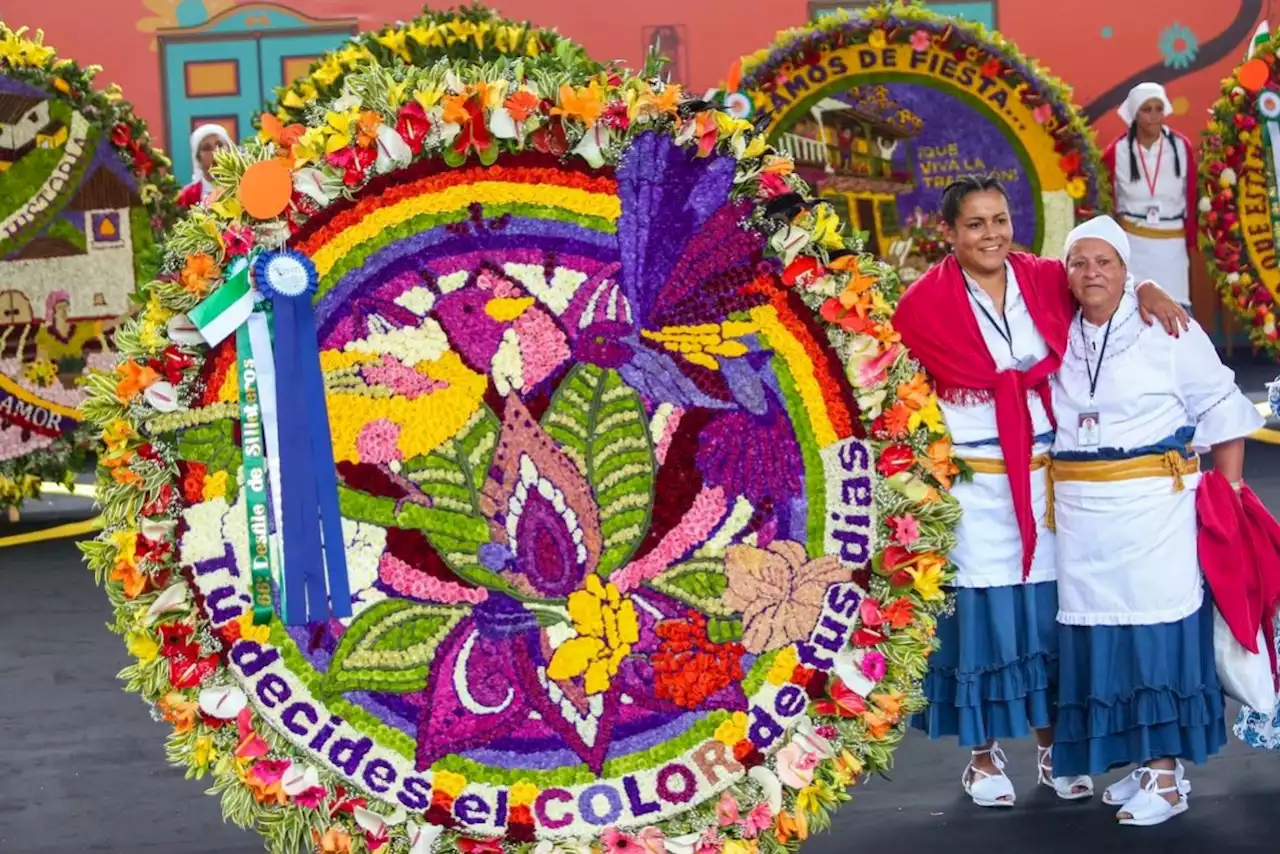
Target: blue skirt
(995, 674)
(1130, 694)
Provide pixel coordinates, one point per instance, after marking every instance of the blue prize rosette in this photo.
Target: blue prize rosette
(313, 546)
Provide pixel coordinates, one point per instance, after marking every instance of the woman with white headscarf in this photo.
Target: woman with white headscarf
(206, 140)
(1153, 178)
(1134, 407)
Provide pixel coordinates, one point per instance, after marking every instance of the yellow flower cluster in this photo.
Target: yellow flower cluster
(702, 343)
(22, 52)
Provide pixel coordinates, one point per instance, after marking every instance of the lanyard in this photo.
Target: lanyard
(1102, 354)
(1006, 333)
(1150, 178)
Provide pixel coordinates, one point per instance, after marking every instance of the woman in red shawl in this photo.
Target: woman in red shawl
(206, 141)
(989, 326)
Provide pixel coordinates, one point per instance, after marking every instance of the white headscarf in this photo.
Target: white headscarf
(1102, 228)
(1138, 96)
(198, 136)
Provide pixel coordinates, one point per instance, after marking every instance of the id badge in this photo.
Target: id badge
(1153, 215)
(1088, 430)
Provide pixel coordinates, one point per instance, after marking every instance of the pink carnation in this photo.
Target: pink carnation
(378, 442)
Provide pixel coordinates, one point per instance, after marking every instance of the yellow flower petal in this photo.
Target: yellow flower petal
(597, 678)
(573, 657)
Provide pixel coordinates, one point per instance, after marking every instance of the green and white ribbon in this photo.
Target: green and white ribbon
(236, 307)
(226, 309)
(253, 440)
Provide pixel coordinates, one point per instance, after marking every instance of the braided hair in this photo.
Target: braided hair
(1133, 151)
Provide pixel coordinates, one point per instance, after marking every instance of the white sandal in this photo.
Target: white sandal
(987, 789)
(1119, 792)
(1064, 787)
(1148, 807)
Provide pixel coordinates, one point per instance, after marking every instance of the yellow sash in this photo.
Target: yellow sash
(987, 465)
(1151, 233)
(1169, 464)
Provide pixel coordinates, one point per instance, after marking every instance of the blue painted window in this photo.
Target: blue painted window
(226, 69)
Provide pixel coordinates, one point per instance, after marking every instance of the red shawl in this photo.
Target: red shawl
(1188, 176)
(938, 325)
(191, 195)
(1238, 544)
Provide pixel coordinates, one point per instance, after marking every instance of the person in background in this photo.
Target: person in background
(1138, 684)
(205, 141)
(1153, 178)
(990, 326)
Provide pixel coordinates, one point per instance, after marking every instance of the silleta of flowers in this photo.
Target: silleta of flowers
(955, 56)
(1238, 206)
(473, 34)
(644, 503)
(82, 192)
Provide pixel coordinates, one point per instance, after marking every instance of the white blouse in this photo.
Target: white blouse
(1126, 550)
(988, 550)
(1133, 198)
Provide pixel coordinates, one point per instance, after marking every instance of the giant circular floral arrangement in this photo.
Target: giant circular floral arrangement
(554, 479)
(472, 33)
(1238, 208)
(883, 109)
(81, 192)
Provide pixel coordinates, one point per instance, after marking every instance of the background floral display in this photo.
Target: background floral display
(644, 504)
(883, 109)
(472, 33)
(81, 190)
(1238, 208)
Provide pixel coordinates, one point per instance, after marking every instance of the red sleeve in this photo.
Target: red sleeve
(1192, 224)
(1109, 161)
(190, 195)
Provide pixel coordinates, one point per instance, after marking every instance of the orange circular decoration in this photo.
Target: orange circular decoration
(1253, 75)
(1181, 106)
(265, 189)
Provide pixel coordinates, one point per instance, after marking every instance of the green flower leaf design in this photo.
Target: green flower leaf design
(451, 476)
(212, 444)
(699, 582)
(600, 423)
(390, 647)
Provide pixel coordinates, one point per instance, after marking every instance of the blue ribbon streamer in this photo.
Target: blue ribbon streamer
(313, 545)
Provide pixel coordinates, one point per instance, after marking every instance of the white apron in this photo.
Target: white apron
(1158, 246)
(988, 550)
(1126, 550)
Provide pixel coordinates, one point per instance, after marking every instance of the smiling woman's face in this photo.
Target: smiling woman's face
(983, 232)
(1096, 273)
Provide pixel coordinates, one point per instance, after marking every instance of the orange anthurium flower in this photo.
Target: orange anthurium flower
(584, 103)
(266, 793)
(335, 840)
(133, 581)
(915, 392)
(455, 109)
(791, 826)
(939, 462)
(877, 727)
(179, 711)
(890, 704)
(198, 274)
(134, 379)
(367, 128)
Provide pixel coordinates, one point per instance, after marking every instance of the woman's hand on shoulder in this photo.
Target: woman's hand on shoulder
(1156, 305)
